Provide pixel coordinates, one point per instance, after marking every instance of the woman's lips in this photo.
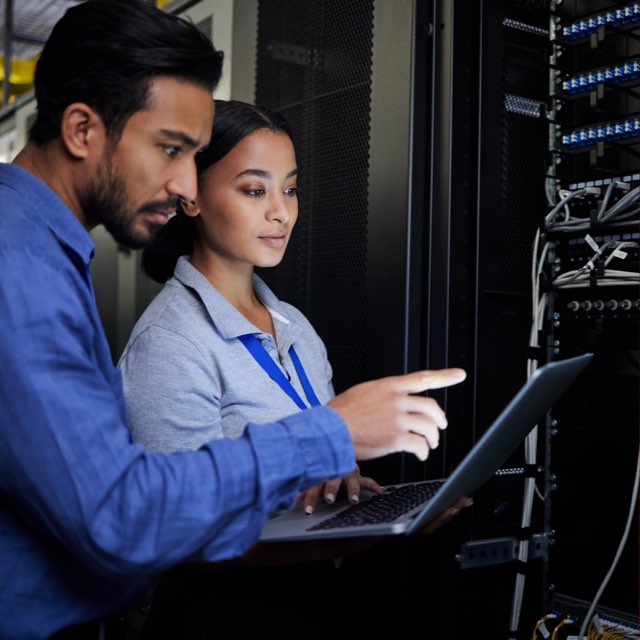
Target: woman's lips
(276, 242)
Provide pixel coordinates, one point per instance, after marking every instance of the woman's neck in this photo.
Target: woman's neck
(235, 284)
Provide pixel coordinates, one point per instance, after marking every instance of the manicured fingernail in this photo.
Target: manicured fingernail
(455, 512)
(308, 509)
(355, 498)
(330, 498)
(468, 503)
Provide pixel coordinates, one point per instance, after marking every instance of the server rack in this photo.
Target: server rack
(592, 278)
(429, 139)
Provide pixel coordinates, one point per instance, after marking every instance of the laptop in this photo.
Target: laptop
(408, 507)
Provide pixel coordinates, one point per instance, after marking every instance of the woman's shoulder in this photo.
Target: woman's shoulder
(174, 308)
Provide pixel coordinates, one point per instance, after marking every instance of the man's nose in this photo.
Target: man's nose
(184, 181)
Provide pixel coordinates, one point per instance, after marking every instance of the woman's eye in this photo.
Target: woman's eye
(291, 191)
(254, 192)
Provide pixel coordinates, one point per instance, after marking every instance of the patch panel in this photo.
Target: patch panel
(621, 130)
(616, 18)
(625, 72)
(618, 621)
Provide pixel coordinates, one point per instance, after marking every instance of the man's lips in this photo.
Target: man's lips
(160, 216)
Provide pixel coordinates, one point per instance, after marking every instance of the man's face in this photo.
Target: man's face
(141, 177)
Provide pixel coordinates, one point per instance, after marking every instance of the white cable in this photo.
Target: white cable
(605, 199)
(603, 283)
(603, 216)
(538, 308)
(572, 279)
(624, 277)
(619, 206)
(562, 204)
(575, 278)
(534, 275)
(623, 540)
(583, 271)
(550, 190)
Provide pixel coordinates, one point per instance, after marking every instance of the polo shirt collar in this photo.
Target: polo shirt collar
(227, 319)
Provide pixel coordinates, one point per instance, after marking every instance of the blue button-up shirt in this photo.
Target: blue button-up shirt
(85, 514)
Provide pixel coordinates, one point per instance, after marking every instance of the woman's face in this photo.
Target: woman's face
(248, 203)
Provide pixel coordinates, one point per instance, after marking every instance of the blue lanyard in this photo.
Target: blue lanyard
(266, 362)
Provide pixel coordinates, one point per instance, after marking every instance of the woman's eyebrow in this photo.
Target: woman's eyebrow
(261, 173)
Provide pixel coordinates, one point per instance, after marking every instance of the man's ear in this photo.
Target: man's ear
(81, 128)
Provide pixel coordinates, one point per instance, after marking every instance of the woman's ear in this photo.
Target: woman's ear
(81, 128)
(190, 208)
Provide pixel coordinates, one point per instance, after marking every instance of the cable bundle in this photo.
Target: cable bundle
(561, 217)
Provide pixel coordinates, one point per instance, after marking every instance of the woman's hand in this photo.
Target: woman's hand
(350, 485)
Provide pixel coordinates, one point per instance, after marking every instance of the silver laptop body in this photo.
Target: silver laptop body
(492, 449)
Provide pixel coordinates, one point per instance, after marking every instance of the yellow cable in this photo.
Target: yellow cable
(541, 622)
(567, 620)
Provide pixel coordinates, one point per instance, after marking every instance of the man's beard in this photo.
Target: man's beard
(105, 202)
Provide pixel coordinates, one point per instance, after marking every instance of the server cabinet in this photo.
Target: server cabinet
(427, 137)
(591, 274)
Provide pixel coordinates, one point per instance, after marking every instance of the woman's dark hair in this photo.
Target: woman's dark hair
(233, 121)
(105, 53)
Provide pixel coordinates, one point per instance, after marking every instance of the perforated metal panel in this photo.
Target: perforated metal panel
(314, 66)
(523, 157)
(514, 160)
(513, 215)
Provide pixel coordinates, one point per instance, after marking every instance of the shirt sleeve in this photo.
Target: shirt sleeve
(172, 391)
(68, 466)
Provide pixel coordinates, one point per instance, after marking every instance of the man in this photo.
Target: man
(124, 94)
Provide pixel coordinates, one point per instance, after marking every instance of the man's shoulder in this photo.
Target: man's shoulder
(24, 239)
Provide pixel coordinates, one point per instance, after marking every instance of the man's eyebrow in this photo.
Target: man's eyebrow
(264, 174)
(182, 137)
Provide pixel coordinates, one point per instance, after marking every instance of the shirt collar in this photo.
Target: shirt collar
(45, 206)
(227, 319)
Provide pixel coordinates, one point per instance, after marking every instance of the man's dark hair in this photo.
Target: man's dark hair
(105, 53)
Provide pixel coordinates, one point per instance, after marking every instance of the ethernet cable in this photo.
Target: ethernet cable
(583, 273)
(531, 441)
(632, 507)
(612, 216)
(564, 202)
(540, 626)
(570, 279)
(567, 620)
(621, 205)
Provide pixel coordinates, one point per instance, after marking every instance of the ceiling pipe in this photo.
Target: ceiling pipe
(8, 50)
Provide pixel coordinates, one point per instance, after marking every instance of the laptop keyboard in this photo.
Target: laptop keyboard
(386, 507)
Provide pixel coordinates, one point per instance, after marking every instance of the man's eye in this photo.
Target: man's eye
(171, 150)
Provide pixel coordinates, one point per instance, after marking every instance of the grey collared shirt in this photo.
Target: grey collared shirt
(187, 377)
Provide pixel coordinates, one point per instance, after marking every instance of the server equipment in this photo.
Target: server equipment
(469, 189)
(469, 196)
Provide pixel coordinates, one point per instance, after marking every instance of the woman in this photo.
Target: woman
(216, 349)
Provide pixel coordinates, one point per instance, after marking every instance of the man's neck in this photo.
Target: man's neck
(40, 161)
